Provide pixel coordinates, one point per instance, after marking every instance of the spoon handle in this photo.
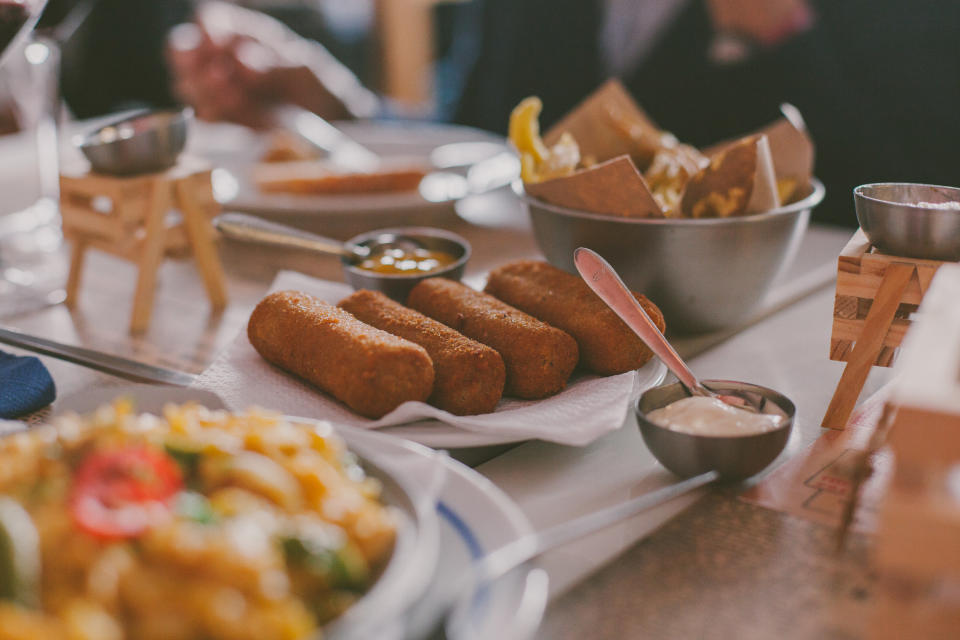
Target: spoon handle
(601, 277)
(512, 555)
(455, 601)
(239, 226)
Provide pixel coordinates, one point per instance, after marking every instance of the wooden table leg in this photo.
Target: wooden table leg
(76, 271)
(406, 35)
(200, 233)
(896, 277)
(152, 256)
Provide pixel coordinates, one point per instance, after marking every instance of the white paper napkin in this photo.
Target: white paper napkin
(589, 407)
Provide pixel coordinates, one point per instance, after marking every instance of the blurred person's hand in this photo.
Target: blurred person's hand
(237, 65)
(767, 22)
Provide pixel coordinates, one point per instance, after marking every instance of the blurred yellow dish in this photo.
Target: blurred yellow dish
(196, 524)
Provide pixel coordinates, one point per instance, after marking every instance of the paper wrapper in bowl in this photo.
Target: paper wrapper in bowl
(739, 181)
(609, 123)
(704, 274)
(791, 151)
(748, 175)
(614, 188)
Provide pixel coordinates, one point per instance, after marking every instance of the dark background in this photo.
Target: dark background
(878, 81)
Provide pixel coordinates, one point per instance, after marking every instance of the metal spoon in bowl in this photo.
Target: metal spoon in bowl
(239, 226)
(353, 252)
(606, 283)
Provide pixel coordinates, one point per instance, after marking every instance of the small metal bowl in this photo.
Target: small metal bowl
(398, 286)
(895, 221)
(733, 457)
(145, 142)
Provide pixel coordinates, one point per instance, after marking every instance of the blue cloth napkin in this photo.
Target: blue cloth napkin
(25, 385)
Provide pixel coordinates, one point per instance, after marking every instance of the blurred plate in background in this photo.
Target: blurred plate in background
(235, 151)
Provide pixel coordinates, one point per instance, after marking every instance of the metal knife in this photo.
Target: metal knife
(114, 365)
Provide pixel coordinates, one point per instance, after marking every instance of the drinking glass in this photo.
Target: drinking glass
(32, 268)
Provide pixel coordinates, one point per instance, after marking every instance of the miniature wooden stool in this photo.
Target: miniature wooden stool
(131, 217)
(876, 293)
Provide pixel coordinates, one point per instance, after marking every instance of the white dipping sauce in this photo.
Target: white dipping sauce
(702, 416)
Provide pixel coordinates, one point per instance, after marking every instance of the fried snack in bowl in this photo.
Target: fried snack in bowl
(676, 178)
(191, 524)
(537, 161)
(669, 172)
(787, 190)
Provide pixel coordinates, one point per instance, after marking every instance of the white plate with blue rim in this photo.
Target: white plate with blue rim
(474, 517)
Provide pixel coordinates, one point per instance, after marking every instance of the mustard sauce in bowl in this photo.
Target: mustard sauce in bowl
(395, 261)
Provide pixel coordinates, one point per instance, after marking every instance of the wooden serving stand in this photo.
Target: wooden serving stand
(876, 293)
(131, 217)
(917, 548)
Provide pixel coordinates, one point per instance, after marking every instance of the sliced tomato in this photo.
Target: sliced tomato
(121, 493)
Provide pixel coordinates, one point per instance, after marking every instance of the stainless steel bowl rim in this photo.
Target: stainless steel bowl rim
(858, 192)
(719, 385)
(810, 201)
(92, 138)
(431, 232)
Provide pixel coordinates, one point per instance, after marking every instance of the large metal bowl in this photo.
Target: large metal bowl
(144, 142)
(904, 219)
(704, 274)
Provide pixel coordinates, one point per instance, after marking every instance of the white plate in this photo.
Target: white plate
(475, 518)
(236, 150)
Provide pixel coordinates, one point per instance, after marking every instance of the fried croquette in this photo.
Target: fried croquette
(469, 375)
(369, 370)
(539, 358)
